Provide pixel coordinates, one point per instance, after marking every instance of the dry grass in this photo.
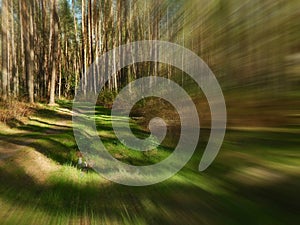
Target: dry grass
(14, 111)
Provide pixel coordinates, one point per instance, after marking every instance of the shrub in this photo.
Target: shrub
(14, 110)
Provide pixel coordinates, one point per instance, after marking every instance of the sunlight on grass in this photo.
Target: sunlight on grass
(252, 164)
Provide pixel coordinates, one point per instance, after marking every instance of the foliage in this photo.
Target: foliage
(14, 111)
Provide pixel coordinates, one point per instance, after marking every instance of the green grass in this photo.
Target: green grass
(254, 180)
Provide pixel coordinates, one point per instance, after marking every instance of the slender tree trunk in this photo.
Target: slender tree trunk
(22, 78)
(120, 37)
(92, 78)
(169, 66)
(43, 54)
(15, 71)
(4, 27)
(31, 54)
(54, 28)
(115, 45)
(84, 47)
(9, 49)
(60, 61)
(77, 55)
(28, 43)
(27, 23)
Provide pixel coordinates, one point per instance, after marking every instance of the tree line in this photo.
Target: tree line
(48, 46)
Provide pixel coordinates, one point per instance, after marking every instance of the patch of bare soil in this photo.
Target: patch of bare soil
(36, 165)
(33, 163)
(7, 150)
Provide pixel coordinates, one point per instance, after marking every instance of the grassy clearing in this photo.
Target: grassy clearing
(254, 180)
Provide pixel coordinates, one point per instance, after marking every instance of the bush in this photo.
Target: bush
(14, 110)
(106, 98)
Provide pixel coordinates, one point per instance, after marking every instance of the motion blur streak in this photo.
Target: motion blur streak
(252, 46)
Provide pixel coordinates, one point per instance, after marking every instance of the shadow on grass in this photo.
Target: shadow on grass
(53, 140)
(170, 202)
(65, 104)
(52, 114)
(50, 124)
(110, 202)
(44, 144)
(212, 197)
(13, 123)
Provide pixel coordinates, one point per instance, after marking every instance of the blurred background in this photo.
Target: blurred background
(252, 47)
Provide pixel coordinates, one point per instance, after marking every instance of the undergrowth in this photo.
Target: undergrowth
(13, 110)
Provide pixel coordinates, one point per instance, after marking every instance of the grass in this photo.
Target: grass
(254, 179)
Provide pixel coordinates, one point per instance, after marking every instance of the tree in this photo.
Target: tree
(4, 45)
(53, 43)
(28, 32)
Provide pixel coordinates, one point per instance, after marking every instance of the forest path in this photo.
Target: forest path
(18, 143)
(40, 184)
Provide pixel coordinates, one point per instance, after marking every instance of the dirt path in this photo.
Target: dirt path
(8, 150)
(16, 147)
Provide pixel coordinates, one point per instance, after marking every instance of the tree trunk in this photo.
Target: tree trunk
(22, 78)
(84, 47)
(4, 27)
(54, 29)
(14, 66)
(27, 17)
(77, 55)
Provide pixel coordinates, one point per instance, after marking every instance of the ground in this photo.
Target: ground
(254, 179)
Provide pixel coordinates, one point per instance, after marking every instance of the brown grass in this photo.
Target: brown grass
(14, 111)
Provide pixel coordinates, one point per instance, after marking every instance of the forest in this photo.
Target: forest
(49, 62)
(48, 46)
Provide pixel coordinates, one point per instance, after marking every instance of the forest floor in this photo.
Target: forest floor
(254, 179)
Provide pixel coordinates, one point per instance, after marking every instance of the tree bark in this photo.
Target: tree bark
(14, 67)
(22, 78)
(27, 22)
(84, 47)
(54, 29)
(4, 29)
(77, 55)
